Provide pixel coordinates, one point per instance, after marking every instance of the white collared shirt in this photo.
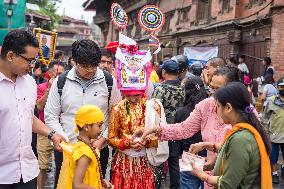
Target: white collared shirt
(17, 102)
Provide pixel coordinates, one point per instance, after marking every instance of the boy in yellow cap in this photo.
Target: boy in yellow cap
(82, 168)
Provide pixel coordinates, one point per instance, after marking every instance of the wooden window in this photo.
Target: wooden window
(203, 9)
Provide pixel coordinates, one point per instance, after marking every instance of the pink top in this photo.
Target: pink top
(17, 102)
(41, 88)
(204, 117)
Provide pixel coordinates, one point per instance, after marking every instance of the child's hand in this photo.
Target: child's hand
(107, 184)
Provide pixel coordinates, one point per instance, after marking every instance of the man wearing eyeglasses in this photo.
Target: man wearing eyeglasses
(84, 84)
(18, 164)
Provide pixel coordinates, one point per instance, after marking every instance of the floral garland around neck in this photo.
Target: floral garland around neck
(51, 51)
(129, 117)
(96, 155)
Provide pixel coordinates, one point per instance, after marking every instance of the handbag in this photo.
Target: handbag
(155, 115)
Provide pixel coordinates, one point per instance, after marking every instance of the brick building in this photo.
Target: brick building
(254, 28)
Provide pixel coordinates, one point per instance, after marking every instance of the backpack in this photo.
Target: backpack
(62, 80)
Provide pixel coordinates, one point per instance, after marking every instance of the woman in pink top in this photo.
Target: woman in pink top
(203, 118)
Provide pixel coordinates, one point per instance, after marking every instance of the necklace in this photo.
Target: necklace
(129, 116)
(96, 155)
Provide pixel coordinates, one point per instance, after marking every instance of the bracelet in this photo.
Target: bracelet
(51, 134)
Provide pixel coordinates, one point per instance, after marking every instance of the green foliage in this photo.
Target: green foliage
(47, 8)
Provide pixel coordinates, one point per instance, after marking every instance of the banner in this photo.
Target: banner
(200, 54)
(17, 20)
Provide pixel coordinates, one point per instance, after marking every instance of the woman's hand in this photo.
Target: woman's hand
(145, 131)
(195, 148)
(195, 171)
(209, 164)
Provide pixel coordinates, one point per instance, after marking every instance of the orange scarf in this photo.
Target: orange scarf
(266, 179)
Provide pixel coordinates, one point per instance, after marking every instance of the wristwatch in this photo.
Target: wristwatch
(50, 135)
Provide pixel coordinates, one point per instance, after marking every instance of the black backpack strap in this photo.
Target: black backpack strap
(109, 82)
(61, 82)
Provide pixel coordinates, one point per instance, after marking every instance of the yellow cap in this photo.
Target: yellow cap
(88, 114)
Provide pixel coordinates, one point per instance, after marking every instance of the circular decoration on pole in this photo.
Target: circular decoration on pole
(151, 18)
(118, 16)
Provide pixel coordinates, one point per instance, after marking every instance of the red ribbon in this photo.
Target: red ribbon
(131, 49)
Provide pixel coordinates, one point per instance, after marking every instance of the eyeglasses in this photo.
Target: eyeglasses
(29, 60)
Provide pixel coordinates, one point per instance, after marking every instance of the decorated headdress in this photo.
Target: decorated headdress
(132, 63)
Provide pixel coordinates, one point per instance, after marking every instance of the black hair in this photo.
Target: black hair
(217, 62)
(268, 79)
(243, 57)
(159, 72)
(69, 66)
(86, 52)
(107, 53)
(195, 91)
(267, 61)
(17, 40)
(58, 53)
(234, 60)
(238, 96)
(55, 62)
(231, 73)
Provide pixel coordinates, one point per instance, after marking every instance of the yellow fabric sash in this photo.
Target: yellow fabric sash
(266, 178)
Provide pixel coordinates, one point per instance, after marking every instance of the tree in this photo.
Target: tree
(48, 8)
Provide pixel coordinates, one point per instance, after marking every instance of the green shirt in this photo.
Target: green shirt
(241, 159)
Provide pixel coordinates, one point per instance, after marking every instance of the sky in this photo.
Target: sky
(74, 9)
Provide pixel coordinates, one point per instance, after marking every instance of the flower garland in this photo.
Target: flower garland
(129, 117)
(51, 50)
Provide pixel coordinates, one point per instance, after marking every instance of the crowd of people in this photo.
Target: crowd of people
(97, 132)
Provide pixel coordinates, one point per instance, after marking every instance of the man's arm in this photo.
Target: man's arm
(52, 110)
(40, 128)
(42, 95)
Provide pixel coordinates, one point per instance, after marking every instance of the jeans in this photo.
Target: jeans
(21, 185)
(275, 152)
(173, 161)
(188, 181)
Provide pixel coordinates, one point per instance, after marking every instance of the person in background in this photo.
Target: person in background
(70, 63)
(154, 78)
(233, 61)
(274, 115)
(59, 56)
(268, 70)
(172, 97)
(269, 89)
(39, 71)
(242, 65)
(195, 69)
(243, 154)
(207, 73)
(44, 147)
(183, 65)
(107, 61)
(194, 93)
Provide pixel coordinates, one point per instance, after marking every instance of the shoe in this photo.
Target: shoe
(282, 172)
(275, 179)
